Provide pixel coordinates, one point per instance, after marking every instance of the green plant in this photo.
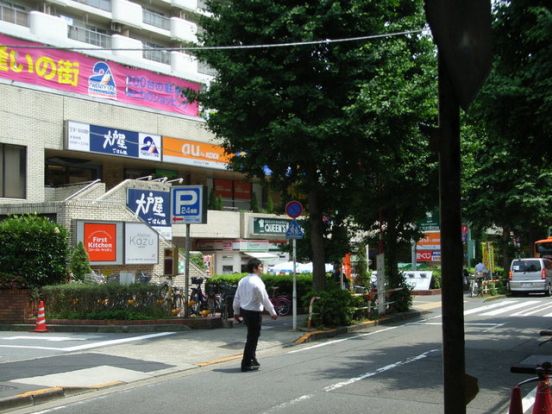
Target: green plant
(335, 307)
(197, 259)
(107, 301)
(401, 300)
(42, 244)
(79, 264)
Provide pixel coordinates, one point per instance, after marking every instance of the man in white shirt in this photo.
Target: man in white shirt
(249, 302)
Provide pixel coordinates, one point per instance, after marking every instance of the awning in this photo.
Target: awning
(262, 255)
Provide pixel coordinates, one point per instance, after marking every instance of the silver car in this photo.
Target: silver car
(530, 275)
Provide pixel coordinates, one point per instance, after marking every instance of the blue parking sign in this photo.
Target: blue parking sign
(188, 204)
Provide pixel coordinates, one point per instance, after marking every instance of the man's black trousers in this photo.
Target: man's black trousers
(253, 321)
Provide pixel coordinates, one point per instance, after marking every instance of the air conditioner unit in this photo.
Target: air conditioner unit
(116, 27)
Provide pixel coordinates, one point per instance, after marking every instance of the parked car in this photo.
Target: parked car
(530, 275)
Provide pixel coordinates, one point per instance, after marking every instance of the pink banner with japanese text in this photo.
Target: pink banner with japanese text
(26, 62)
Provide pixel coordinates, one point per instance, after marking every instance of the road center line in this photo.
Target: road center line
(286, 405)
(379, 371)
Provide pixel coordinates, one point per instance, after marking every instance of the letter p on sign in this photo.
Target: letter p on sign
(188, 205)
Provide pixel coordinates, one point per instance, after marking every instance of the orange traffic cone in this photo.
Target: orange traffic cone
(516, 406)
(543, 399)
(41, 319)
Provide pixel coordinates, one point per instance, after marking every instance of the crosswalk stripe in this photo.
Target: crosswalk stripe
(527, 312)
(510, 308)
(487, 307)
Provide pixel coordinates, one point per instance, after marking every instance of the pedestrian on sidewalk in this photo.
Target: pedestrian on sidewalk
(249, 302)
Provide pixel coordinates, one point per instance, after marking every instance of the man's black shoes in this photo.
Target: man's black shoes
(247, 368)
(255, 363)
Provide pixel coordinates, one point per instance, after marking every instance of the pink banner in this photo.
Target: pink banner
(24, 61)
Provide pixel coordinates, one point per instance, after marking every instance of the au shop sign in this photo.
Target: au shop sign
(112, 141)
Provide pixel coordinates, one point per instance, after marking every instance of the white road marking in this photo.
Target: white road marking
(288, 404)
(510, 308)
(378, 371)
(487, 307)
(92, 345)
(341, 340)
(43, 338)
(533, 310)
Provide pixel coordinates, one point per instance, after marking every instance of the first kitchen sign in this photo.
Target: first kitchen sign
(188, 204)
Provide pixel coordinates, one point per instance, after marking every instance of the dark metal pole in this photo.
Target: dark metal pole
(187, 272)
(451, 246)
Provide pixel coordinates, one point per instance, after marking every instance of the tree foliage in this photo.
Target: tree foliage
(301, 110)
(507, 142)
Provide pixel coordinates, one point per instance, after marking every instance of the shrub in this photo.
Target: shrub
(34, 248)
(401, 299)
(107, 301)
(336, 307)
(78, 263)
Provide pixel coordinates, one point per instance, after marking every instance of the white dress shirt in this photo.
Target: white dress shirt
(251, 295)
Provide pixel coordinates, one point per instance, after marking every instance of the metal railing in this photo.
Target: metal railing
(158, 55)
(89, 36)
(156, 19)
(13, 15)
(98, 4)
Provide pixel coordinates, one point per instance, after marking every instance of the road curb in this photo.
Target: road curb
(329, 333)
(34, 397)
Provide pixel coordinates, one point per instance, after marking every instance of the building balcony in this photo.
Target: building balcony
(156, 20)
(89, 36)
(183, 30)
(161, 56)
(127, 13)
(98, 4)
(185, 4)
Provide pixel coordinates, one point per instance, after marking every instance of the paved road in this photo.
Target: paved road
(382, 369)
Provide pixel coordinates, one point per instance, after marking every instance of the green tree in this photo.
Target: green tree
(79, 263)
(287, 108)
(34, 248)
(398, 179)
(361, 266)
(506, 144)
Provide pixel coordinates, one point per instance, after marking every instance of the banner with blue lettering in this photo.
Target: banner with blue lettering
(153, 207)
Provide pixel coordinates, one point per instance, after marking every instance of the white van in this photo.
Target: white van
(530, 275)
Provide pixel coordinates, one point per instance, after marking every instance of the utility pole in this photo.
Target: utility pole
(462, 31)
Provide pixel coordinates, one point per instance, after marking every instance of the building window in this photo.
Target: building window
(13, 171)
(66, 171)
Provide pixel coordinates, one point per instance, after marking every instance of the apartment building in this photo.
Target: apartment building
(96, 129)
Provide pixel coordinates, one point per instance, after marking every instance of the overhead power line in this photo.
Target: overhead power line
(233, 47)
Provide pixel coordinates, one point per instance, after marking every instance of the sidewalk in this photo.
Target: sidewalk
(176, 352)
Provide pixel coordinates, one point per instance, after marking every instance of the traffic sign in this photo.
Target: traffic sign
(294, 231)
(294, 209)
(188, 204)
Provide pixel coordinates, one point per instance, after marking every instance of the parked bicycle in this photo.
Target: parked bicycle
(476, 284)
(173, 297)
(227, 293)
(282, 303)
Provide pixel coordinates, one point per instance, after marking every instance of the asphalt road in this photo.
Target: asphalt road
(385, 369)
